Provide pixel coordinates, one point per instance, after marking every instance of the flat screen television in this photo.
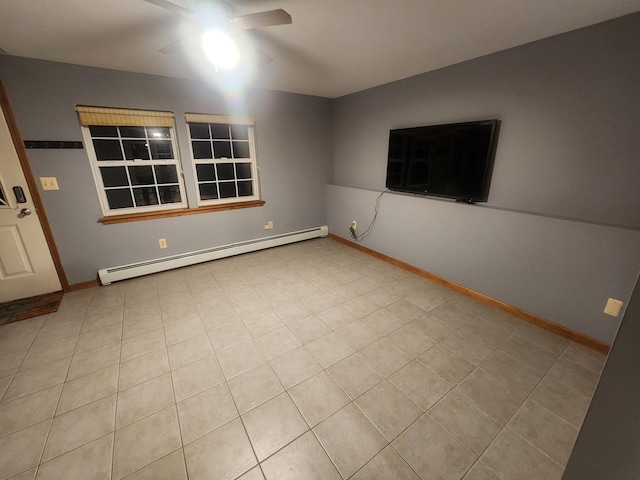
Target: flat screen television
(451, 161)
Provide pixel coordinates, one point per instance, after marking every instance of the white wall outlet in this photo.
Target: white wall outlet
(162, 242)
(354, 225)
(49, 183)
(269, 225)
(613, 307)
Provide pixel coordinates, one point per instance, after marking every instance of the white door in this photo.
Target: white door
(26, 266)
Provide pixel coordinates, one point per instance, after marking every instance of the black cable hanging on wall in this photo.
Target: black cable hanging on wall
(367, 232)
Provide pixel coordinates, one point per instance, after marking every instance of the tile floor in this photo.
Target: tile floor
(310, 361)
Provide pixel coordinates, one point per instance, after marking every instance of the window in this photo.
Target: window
(224, 158)
(134, 159)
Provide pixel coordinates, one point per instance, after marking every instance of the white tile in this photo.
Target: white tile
(205, 412)
(303, 458)
(196, 377)
(171, 467)
(254, 387)
(388, 464)
(546, 430)
(47, 353)
(388, 409)
(189, 351)
(355, 375)
(91, 462)
(318, 397)
(513, 458)
(432, 452)
(295, 366)
(273, 424)
(420, 384)
(329, 349)
(28, 410)
(144, 399)
(80, 426)
(143, 442)
(466, 421)
(349, 439)
(223, 454)
(21, 450)
(86, 389)
(240, 358)
(38, 378)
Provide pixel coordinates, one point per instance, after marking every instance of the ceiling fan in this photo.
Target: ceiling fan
(208, 12)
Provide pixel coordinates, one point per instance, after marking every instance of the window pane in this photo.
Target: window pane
(145, 196)
(132, 132)
(199, 130)
(158, 132)
(205, 173)
(243, 170)
(119, 198)
(166, 174)
(170, 194)
(227, 189)
(107, 149)
(218, 175)
(239, 132)
(225, 171)
(141, 175)
(219, 130)
(202, 150)
(208, 191)
(135, 149)
(241, 150)
(245, 189)
(129, 185)
(114, 176)
(222, 149)
(101, 131)
(161, 149)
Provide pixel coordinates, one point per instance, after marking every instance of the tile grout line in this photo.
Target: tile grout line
(44, 445)
(324, 253)
(115, 415)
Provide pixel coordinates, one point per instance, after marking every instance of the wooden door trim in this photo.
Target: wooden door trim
(33, 187)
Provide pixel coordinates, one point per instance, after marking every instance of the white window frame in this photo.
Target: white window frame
(249, 122)
(97, 176)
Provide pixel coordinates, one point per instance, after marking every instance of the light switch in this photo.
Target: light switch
(613, 307)
(49, 183)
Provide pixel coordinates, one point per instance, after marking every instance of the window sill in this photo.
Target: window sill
(139, 217)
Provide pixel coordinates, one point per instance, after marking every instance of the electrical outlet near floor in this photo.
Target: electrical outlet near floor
(269, 225)
(613, 307)
(162, 242)
(354, 225)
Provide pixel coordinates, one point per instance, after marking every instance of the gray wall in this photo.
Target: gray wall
(561, 230)
(559, 235)
(293, 141)
(608, 446)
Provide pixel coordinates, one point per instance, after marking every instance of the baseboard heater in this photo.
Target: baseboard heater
(109, 275)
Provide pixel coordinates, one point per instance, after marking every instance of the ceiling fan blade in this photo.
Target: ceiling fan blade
(173, 47)
(172, 7)
(261, 19)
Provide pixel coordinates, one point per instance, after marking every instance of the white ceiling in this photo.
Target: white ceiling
(333, 47)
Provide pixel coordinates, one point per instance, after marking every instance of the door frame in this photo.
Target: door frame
(33, 186)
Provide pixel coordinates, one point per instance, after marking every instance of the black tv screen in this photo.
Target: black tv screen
(452, 161)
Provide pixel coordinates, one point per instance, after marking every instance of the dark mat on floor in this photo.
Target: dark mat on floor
(29, 307)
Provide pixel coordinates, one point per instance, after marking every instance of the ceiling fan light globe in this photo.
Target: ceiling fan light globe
(220, 49)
